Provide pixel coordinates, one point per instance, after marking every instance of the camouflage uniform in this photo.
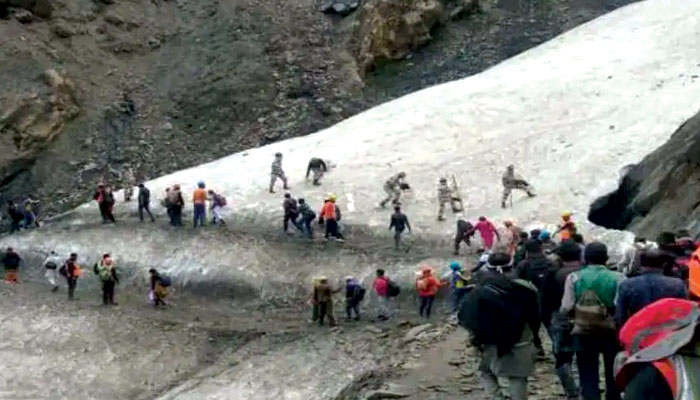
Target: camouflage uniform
(392, 188)
(277, 172)
(444, 196)
(512, 181)
(129, 182)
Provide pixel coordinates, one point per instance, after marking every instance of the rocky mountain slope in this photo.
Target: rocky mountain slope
(660, 193)
(97, 87)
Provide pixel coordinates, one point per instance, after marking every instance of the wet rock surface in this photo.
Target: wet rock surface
(662, 192)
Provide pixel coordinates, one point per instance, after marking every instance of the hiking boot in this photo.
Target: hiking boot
(440, 219)
(503, 205)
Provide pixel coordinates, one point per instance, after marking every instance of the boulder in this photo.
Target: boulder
(28, 122)
(40, 8)
(24, 16)
(386, 394)
(413, 333)
(340, 7)
(391, 29)
(62, 29)
(661, 193)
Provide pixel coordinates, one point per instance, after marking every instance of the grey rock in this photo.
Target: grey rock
(24, 16)
(374, 329)
(62, 29)
(114, 19)
(386, 394)
(413, 333)
(340, 7)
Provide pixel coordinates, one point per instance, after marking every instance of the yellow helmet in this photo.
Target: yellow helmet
(566, 214)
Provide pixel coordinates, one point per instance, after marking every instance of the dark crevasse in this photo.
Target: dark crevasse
(661, 193)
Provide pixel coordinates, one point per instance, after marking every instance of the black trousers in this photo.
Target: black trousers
(106, 212)
(589, 349)
(108, 292)
(426, 305)
(72, 283)
(147, 208)
(291, 217)
(332, 229)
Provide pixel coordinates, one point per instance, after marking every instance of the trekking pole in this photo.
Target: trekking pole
(511, 199)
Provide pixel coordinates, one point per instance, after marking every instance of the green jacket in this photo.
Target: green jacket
(600, 280)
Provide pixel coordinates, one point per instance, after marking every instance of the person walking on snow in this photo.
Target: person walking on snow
(291, 212)
(444, 196)
(464, 233)
(11, 260)
(399, 223)
(458, 284)
(319, 168)
(105, 201)
(51, 269)
(277, 172)
(487, 231)
(174, 202)
(393, 188)
(16, 216)
(71, 271)
(512, 181)
(324, 295)
(144, 199)
(330, 215)
(107, 273)
(159, 287)
(306, 217)
(381, 289)
(427, 286)
(199, 201)
(354, 294)
(30, 217)
(218, 202)
(129, 181)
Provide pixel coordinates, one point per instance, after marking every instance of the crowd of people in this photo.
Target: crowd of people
(643, 310)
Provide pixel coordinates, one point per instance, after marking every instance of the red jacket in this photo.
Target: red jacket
(427, 286)
(381, 286)
(328, 210)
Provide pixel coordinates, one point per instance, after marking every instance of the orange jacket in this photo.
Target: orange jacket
(328, 210)
(199, 196)
(694, 270)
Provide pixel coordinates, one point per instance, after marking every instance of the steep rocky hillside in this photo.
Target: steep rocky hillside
(91, 88)
(660, 193)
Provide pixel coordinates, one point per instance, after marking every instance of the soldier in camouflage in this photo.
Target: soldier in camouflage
(392, 188)
(277, 172)
(513, 181)
(444, 194)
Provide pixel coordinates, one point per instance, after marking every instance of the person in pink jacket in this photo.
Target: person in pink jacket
(487, 231)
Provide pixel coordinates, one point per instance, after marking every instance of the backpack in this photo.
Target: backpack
(591, 315)
(51, 265)
(494, 312)
(104, 273)
(360, 293)
(63, 270)
(164, 281)
(392, 289)
(221, 200)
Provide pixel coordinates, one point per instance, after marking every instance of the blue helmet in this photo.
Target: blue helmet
(200, 184)
(454, 265)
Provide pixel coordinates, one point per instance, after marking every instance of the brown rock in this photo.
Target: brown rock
(391, 29)
(62, 29)
(29, 121)
(42, 8)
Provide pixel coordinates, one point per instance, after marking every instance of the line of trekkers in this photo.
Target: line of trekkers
(643, 322)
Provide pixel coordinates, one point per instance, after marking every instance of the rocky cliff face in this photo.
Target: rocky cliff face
(662, 192)
(157, 86)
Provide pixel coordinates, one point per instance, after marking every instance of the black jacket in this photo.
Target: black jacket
(11, 260)
(316, 163)
(399, 221)
(144, 196)
(290, 206)
(535, 268)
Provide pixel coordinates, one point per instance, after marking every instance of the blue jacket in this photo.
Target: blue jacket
(638, 292)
